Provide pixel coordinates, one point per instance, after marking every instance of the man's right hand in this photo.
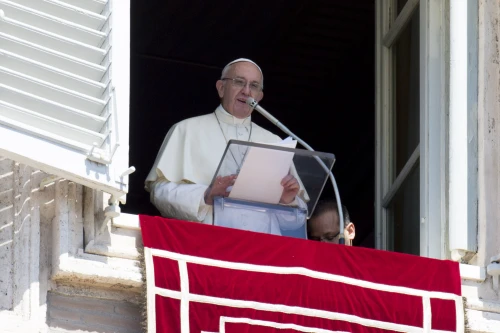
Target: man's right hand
(219, 188)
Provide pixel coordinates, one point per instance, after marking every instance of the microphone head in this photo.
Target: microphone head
(252, 102)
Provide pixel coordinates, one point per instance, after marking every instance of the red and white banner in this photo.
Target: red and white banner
(202, 278)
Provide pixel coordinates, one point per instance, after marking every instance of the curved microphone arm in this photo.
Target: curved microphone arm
(254, 105)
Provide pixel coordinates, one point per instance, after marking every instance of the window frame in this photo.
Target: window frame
(431, 152)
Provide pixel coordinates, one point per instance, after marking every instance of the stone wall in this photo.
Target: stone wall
(22, 255)
(483, 299)
(48, 283)
(73, 313)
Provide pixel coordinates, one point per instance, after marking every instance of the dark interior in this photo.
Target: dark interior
(318, 59)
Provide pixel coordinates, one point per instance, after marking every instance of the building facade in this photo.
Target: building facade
(69, 258)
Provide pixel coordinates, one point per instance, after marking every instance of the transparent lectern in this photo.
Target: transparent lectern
(253, 202)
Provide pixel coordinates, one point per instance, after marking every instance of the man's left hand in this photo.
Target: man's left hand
(290, 189)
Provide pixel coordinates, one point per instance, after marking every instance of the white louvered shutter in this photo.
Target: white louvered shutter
(64, 88)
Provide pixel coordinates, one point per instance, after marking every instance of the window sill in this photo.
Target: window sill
(107, 271)
(472, 273)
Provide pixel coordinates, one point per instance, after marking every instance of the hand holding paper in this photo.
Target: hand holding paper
(291, 188)
(219, 188)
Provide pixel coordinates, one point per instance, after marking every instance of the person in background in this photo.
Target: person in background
(324, 224)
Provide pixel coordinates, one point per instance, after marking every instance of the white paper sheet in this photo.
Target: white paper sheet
(261, 173)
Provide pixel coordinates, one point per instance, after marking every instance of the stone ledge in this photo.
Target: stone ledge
(482, 322)
(472, 273)
(130, 253)
(95, 291)
(127, 221)
(94, 269)
(483, 306)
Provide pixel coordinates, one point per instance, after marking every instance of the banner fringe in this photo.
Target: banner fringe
(144, 291)
(466, 319)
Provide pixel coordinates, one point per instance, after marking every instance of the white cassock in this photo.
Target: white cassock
(188, 160)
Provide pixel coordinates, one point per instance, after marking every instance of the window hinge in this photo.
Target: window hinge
(493, 269)
(125, 173)
(99, 157)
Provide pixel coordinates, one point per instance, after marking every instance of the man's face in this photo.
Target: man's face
(324, 227)
(234, 97)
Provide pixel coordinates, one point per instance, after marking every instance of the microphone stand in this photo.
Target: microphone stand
(254, 105)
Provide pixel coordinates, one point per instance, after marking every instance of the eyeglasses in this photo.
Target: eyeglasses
(255, 87)
(329, 238)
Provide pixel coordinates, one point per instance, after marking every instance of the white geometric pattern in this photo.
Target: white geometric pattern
(186, 297)
(262, 323)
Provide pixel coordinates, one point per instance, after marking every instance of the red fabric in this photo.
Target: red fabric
(293, 290)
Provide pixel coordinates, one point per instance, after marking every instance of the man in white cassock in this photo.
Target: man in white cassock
(192, 149)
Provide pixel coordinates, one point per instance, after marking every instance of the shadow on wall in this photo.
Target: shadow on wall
(77, 313)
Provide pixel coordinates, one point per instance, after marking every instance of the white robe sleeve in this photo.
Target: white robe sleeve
(180, 201)
(287, 222)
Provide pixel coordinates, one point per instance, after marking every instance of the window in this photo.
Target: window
(411, 133)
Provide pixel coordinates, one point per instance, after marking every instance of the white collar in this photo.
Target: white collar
(228, 118)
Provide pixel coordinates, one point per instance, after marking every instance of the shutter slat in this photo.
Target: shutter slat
(52, 41)
(51, 109)
(51, 125)
(52, 58)
(51, 92)
(52, 23)
(69, 13)
(96, 6)
(33, 130)
(52, 75)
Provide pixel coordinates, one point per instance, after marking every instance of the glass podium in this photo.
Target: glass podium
(253, 201)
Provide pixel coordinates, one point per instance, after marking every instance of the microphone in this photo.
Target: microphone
(255, 105)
